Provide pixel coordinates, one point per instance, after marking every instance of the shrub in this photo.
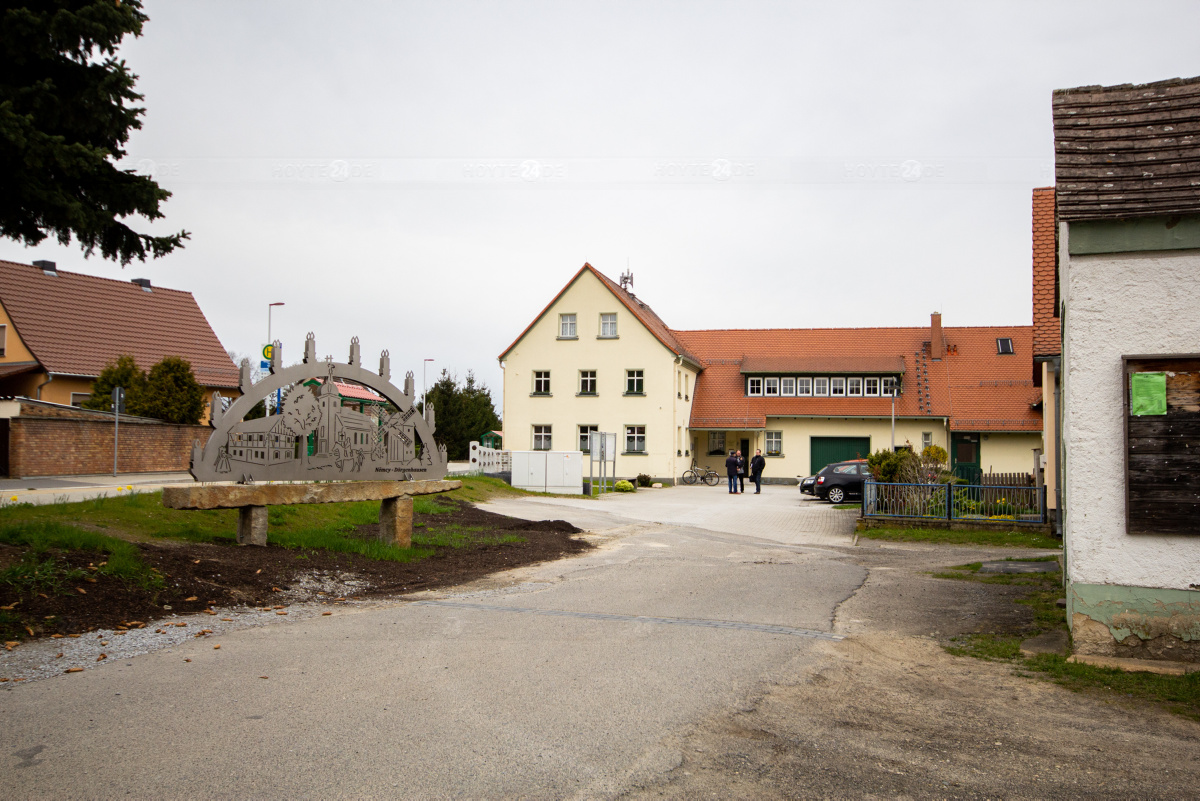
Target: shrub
(644, 480)
(121, 372)
(623, 486)
(171, 393)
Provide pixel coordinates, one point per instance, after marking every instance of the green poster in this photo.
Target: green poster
(1147, 394)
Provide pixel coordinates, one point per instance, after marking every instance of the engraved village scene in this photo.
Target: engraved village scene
(337, 421)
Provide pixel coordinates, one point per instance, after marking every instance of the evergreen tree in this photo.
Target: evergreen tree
(64, 122)
(463, 413)
(122, 372)
(172, 393)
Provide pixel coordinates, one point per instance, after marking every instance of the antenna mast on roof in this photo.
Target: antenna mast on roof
(626, 280)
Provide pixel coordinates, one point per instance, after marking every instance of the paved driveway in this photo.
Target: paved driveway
(569, 678)
(780, 513)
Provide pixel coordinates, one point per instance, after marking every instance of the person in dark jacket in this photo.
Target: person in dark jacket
(741, 470)
(731, 470)
(757, 465)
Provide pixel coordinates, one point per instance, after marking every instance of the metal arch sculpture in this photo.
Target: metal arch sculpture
(346, 445)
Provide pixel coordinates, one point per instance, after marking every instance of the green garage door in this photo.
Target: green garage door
(827, 450)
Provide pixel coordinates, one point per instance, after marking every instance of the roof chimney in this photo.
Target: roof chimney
(937, 346)
(48, 267)
(144, 283)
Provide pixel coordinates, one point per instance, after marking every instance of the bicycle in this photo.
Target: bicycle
(710, 477)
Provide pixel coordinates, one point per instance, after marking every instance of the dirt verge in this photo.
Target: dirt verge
(202, 575)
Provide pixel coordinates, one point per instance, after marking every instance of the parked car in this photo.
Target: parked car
(841, 480)
(808, 484)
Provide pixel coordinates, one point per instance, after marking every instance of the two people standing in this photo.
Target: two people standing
(735, 469)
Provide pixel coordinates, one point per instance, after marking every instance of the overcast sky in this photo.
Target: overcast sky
(427, 176)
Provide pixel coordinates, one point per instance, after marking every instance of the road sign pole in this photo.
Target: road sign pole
(118, 402)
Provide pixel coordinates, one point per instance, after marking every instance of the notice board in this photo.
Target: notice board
(1162, 444)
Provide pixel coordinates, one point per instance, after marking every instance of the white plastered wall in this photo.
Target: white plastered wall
(1118, 305)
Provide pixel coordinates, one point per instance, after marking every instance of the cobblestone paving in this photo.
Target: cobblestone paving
(780, 513)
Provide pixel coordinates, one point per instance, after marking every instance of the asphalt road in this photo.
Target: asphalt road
(567, 678)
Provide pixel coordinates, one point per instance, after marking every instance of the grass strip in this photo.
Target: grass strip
(1017, 538)
(121, 558)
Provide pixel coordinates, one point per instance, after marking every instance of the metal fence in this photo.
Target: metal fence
(957, 502)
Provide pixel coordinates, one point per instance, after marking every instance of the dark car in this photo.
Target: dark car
(840, 480)
(808, 485)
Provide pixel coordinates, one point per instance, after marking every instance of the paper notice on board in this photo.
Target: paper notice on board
(1147, 394)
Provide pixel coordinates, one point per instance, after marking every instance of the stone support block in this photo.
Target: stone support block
(252, 525)
(232, 496)
(396, 521)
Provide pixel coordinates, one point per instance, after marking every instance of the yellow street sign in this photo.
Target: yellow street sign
(267, 351)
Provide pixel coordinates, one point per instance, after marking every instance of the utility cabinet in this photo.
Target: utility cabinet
(548, 471)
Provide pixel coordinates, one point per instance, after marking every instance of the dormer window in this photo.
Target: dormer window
(1004, 345)
(754, 386)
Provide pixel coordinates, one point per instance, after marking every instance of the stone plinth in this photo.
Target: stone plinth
(252, 500)
(232, 496)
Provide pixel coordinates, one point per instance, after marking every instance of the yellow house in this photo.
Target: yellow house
(58, 330)
(598, 358)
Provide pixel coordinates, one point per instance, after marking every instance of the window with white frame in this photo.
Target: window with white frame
(635, 439)
(608, 326)
(889, 387)
(837, 386)
(821, 386)
(804, 387)
(771, 387)
(754, 386)
(871, 387)
(634, 382)
(541, 438)
(854, 386)
(584, 439)
(566, 326)
(787, 387)
(774, 443)
(716, 443)
(926, 439)
(587, 382)
(541, 382)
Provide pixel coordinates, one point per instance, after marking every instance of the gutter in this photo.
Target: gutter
(49, 378)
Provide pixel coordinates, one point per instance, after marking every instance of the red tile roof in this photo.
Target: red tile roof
(639, 309)
(832, 364)
(352, 391)
(972, 383)
(74, 324)
(1046, 330)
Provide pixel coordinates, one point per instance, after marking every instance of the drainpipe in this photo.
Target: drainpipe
(1056, 364)
(49, 378)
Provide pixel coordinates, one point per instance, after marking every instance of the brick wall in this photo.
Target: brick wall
(63, 442)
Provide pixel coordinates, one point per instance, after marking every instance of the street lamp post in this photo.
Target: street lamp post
(424, 387)
(270, 308)
(893, 416)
